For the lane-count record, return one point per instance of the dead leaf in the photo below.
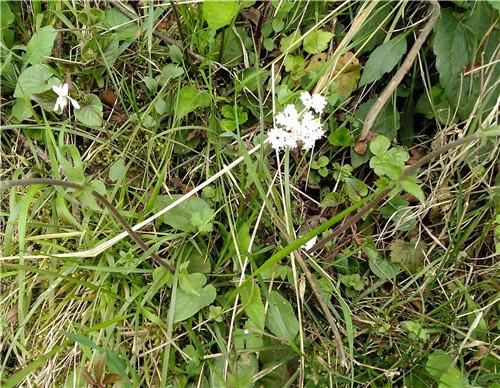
(346, 74)
(417, 153)
(12, 315)
(109, 98)
(251, 14)
(316, 62)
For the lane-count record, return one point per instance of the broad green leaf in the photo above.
(192, 215)
(380, 145)
(438, 363)
(190, 99)
(453, 378)
(317, 41)
(450, 47)
(291, 42)
(281, 319)
(90, 112)
(383, 59)
(123, 28)
(187, 304)
(381, 267)
(33, 80)
(73, 169)
(161, 106)
(117, 170)
(6, 15)
(168, 73)
(40, 45)
(410, 255)
(220, 13)
(411, 186)
(252, 304)
(340, 137)
(21, 111)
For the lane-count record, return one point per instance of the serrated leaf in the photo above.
(40, 45)
(379, 145)
(90, 112)
(33, 80)
(220, 13)
(383, 59)
(410, 255)
(317, 41)
(192, 215)
(281, 319)
(340, 137)
(450, 47)
(291, 42)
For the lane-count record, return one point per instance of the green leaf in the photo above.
(453, 378)
(450, 47)
(291, 42)
(186, 305)
(72, 170)
(438, 363)
(383, 59)
(40, 45)
(281, 319)
(117, 170)
(380, 145)
(295, 65)
(340, 137)
(380, 267)
(192, 215)
(6, 15)
(317, 41)
(175, 53)
(122, 27)
(387, 122)
(90, 112)
(161, 106)
(411, 186)
(33, 80)
(252, 304)
(168, 73)
(190, 99)
(220, 13)
(21, 111)
(410, 255)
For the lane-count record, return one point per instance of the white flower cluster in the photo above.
(294, 128)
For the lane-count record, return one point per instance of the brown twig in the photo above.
(179, 25)
(362, 142)
(72, 185)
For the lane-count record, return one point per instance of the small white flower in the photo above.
(293, 128)
(308, 245)
(63, 97)
(246, 332)
(315, 102)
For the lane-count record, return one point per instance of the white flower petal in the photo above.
(308, 245)
(65, 89)
(75, 103)
(57, 89)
